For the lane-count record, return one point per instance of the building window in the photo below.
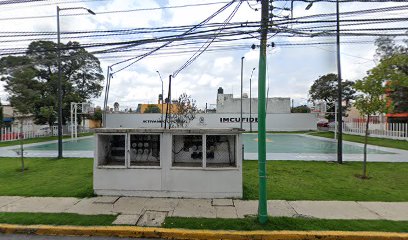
(144, 150)
(187, 151)
(221, 151)
(112, 150)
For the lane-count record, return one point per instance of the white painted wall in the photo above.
(274, 122)
(166, 180)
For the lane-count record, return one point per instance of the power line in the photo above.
(207, 44)
(357, 12)
(343, 1)
(138, 58)
(127, 32)
(19, 1)
(116, 11)
(123, 45)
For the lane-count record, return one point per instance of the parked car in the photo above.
(322, 124)
(44, 131)
(325, 124)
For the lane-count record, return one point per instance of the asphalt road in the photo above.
(35, 237)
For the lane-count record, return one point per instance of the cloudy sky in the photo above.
(292, 68)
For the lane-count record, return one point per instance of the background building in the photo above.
(227, 114)
(226, 103)
(141, 108)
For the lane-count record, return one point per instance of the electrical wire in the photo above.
(113, 12)
(138, 58)
(344, 1)
(19, 1)
(207, 44)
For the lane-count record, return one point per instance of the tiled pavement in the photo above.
(153, 211)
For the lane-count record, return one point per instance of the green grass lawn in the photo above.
(287, 132)
(296, 180)
(56, 219)
(249, 223)
(39, 139)
(68, 177)
(384, 142)
(287, 180)
(285, 223)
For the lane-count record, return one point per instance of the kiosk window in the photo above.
(112, 150)
(220, 151)
(144, 150)
(187, 151)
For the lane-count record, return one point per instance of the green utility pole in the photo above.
(262, 206)
(339, 92)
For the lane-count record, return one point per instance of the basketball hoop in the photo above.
(78, 109)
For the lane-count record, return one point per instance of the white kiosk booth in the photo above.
(194, 163)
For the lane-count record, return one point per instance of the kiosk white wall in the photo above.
(274, 122)
(195, 163)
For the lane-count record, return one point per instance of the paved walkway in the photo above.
(153, 211)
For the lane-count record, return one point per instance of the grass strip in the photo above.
(39, 139)
(287, 180)
(302, 180)
(283, 132)
(286, 223)
(46, 177)
(383, 142)
(56, 219)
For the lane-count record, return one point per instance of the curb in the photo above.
(147, 232)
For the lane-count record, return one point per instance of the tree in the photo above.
(24, 90)
(32, 80)
(186, 110)
(97, 115)
(386, 47)
(1, 119)
(325, 89)
(393, 68)
(371, 101)
(301, 109)
(49, 114)
(152, 108)
(23, 85)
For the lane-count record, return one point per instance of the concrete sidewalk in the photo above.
(153, 211)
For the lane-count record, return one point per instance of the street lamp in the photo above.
(168, 106)
(161, 122)
(291, 7)
(309, 6)
(339, 114)
(59, 76)
(339, 91)
(250, 101)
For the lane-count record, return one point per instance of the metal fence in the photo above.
(14, 133)
(397, 131)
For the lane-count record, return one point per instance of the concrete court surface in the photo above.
(152, 211)
(393, 154)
